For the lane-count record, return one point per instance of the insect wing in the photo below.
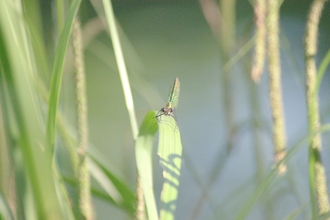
(173, 97)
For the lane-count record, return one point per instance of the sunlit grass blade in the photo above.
(170, 153)
(143, 153)
(109, 13)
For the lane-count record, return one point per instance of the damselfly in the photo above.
(173, 99)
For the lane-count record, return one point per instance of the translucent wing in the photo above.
(173, 97)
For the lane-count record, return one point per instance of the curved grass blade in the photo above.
(170, 155)
(116, 190)
(321, 70)
(143, 154)
(57, 72)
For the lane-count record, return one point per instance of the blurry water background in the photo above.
(167, 39)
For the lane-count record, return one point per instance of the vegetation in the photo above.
(53, 163)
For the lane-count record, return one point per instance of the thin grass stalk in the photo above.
(227, 42)
(275, 93)
(318, 187)
(260, 42)
(223, 24)
(140, 211)
(257, 126)
(221, 19)
(228, 24)
(121, 65)
(258, 142)
(85, 200)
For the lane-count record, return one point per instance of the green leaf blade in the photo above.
(57, 72)
(143, 153)
(170, 155)
(116, 191)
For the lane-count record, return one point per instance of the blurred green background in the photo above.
(222, 166)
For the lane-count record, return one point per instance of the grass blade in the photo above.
(109, 13)
(58, 72)
(143, 153)
(55, 85)
(116, 189)
(18, 74)
(170, 153)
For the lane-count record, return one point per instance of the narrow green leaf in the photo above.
(97, 193)
(170, 153)
(110, 16)
(57, 72)
(56, 77)
(143, 153)
(321, 70)
(116, 189)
